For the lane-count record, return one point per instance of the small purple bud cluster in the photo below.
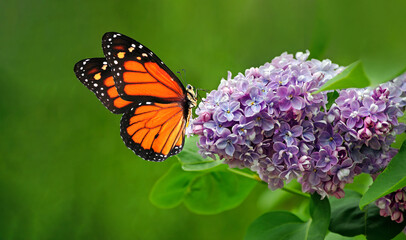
(270, 121)
(393, 205)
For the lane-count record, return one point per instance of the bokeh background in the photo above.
(64, 170)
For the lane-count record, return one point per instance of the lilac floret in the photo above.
(325, 159)
(373, 108)
(229, 111)
(226, 142)
(254, 102)
(290, 98)
(288, 134)
(329, 138)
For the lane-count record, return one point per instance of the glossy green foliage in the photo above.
(352, 76)
(348, 220)
(285, 225)
(390, 180)
(205, 192)
(331, 97)
(191, 160)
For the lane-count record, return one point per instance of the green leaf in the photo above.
(191, 160)
(400, 236)
(335, 236)
(331, 97)
(170, 190)
(285, 225)
(361, 183)
(348, 220)
(320, 214)
(400, 138)
(276, 225)
(203, 192)
(402, 119)
(352, 77)
(379, 69)
(390, 180)
(217, 191)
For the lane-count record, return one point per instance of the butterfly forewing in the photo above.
(96, 75)
(138, 73)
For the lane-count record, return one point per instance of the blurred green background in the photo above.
(64, 170)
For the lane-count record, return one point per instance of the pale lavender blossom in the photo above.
(329, 138)
(351, 113)
(288, 134)
(373, 108)
(254, 102)
(226, 142)
(290, 98)
(325, 159)
(229, 111)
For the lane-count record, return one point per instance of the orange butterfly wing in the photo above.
(96, 75)
(154, 131)
(154, 127)
(138, 73)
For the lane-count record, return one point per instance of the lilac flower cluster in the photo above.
(270, 121)
(393, 205)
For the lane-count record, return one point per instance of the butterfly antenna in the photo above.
(200, 89)
(181, 77)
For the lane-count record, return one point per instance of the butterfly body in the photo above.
(131, 80)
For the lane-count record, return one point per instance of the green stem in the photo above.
(294, 191)
(256, 178)
(248, 175)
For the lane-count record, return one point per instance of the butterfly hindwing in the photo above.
(138, 73)
(96, 75)
(154, 131)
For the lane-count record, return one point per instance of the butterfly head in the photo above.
(191, 96)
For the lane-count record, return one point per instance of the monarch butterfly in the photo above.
(131, 80)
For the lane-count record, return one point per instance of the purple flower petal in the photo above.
(285, 105)
(297, 131)
(298, 103)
